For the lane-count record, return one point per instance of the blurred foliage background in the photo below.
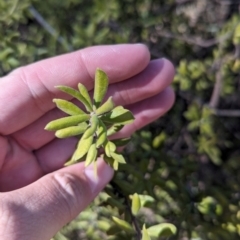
(186, 165)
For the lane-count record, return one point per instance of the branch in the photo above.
(182, 1)
(237, 51)
(214, 101)
(194, 40)
(226, 112)
(227, 2)
(39, 18)
(128, 207)
(134, 220)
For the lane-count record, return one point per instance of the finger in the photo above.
(48, 204)
(148, 111)
(156, 77)
(55, 154)
(18, 167)
(26, 94)
(28, 168)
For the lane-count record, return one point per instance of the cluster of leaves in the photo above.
(95, 126)
(185, 166)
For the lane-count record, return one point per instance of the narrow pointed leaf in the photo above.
(68, 107)
(108, 160)
(103, 225)
(83, 147)
(100, 87)
(118, 157)
(66, 122)
(76, 94)
(126, 186)
(115, 203)
(136, 204)
(113, 129)
(117, 111)
(110, 191)
(83, 90)
(162, 230)
(71, 131)
(111, 161)
(146, 199)
(95, 169)
(69, 162)
(113, 230)
(105, 107)
(145, 235)
(101, 134)
(112, 146)
(121, 142)
(91, 155)
(115, 165)
(93, 127)
(109, 148)
(118, 115)
(123, 225)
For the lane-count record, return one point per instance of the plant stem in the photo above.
(128, 207)
(39, 18)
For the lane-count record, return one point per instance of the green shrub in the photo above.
(185, 166)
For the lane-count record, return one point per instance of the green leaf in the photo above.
(115, 203)
(76, 94)
(214, 154)
(109, 148)
(100, 88)
(123, 225)
(125, 186)
(111, 161)
(121, 142)
(159, 140)
(118, 157)
(82, 147)
(103, 225)
(145, 199)
(101, 134)
(236, 36)
(91, 155)
(83, 90)
(145, 235)
(68, 107)
(66, 122)
(162, 230)
(115, 165)
(118, 115)
(113, 129)
(136, 204)
(93, 127)
(113, 230)
(105, 107)
(71, 161)
(71, 131)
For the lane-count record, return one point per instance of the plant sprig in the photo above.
(94, 126)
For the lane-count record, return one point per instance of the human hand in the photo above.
(38, 196)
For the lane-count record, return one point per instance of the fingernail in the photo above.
(93, 179)
(99, 180)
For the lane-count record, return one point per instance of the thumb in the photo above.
(40, 209)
